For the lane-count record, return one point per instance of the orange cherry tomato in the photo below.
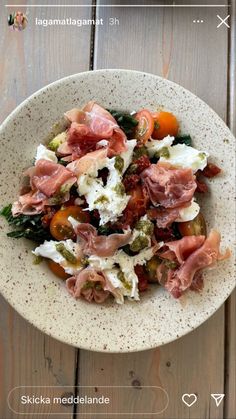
(145, 127)
(57, 270)
(195, 227)
(165, 123)
(61, 228)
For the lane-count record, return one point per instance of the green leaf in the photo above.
(28, 226)
(183, 139)
(125, 121)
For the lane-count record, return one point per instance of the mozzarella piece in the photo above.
(48, 250)
(102, 143)
(127, 264)
(127, 155)
(188, 213)
(44, 153)
(181, 155)
(154, 146)
(121, 290)
(106, 199)
(73, 222)
(137, 233)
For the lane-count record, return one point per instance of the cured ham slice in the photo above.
(29, 204)
(164, 217)
(184, 247)
(85, 163)
(178, 280)
(88, 127)
(91, 285)
(117, 143)
(167, 186)
(102, 246)
(48, 177)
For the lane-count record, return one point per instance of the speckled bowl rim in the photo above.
(13, 301)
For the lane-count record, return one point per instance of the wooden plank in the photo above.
(32, 59)
(167, 43)
(230, 320)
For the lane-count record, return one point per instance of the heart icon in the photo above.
(189, 399)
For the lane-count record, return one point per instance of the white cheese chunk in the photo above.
(44, 153)
(188, 213)
(126, 264)
(181, 155)
(121, 290)
(73, 222)
(127, 155)
(48, 250)
(154, 146)
(102, 143)
(107, 199)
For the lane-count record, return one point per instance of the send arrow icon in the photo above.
(218, 398)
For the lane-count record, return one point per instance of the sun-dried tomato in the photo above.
(130, 181)
(201, 187)
(46, 218)
(211, 170)
(164, 234)
(142, 163)
(142, 277)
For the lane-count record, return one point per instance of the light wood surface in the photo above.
(33, 59)
(163, 42)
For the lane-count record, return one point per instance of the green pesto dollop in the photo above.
(37, 259)
(202, 156)
(119, 189)
(139, 243)
(119, 164)
(57, 141)
(132, 169)
(121, 277)
(145, 226)
(164, 152)
(101, 200)
(139, 152)
(61, 248)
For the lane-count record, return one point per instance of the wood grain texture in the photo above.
(32, 59)
(167, 43)
(230, 373)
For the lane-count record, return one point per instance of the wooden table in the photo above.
(163, 41)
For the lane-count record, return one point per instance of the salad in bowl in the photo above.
(112, 203)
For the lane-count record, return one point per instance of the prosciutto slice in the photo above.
(184, 247)
(168, 186)
(88, 127)
(91, 285)
(87, 162)
(164, 217)
(30, 203)
(178, 280)
(102, 246)
(48, 177)
(45, 179)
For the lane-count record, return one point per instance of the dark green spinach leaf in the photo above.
(183, 139)
(126, 121)
(28, 226)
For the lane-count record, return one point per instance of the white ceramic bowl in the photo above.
(42, 298)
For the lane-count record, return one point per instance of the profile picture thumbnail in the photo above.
(17, 21)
